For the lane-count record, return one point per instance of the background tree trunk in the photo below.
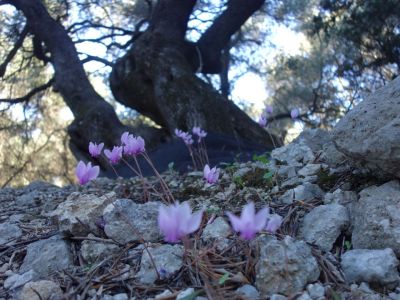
(94, 118)
(156, 77)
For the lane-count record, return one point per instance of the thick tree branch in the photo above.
(29, 95)
(171, 17)
(14, 50)
(215, 39)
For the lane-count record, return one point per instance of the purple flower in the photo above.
(294, 113)
(185, 136)
(181, 134)
(94, 149)
(211, 175)
(115, 155)
(249, 222)
(263, 121)
(133, 145)
(273, 223)
(86, 173)
(176, 221)
(269, 109)
(199, 132)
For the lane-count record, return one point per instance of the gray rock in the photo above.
(29, 199)
(323, 225)
(310, 169)
(284, 267)
(376, 218)
(164, 294)
(18, 280)
(287, 171)
(370, 132)
(166, 258)
(47, 256)
(307, 192)
(394, 296)
(340, 197)
(287, 197)
(294, 154)
(185, 294)
(316, 290)
(304, 296)
(332, 156)
(291, 182)
(249, 292)
(92, 251)
(314, 138)
(121, 296)
(9, 232)
(127, 221)
(218, 229)
(277, 297)
(86, 208)
(372, 266)
(45, 288)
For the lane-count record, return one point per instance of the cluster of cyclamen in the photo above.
(198, 153)
(263, 121)
(176, 221)
(130, 146)
(188, 138)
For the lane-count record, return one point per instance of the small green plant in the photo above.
(239, 181)
(261, 158)
(347, 245)
(223, 278)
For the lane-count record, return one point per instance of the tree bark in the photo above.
(156, 77)
(94, 118)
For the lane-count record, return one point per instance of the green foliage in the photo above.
(347, 245)
(223, 278)
(264, 158)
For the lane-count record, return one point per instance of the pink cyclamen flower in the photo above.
(249, 222)
(294, 113)
(133, 145)
(86, 173)
(199, 132)
(115, 155)
(263, 121)
(273, 223)
(94, 149)
(185, 136)
(211, 175)
(176, 221)
(269, 109)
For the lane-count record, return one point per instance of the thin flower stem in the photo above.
(203, 143)
(145, 191)
(139, 175)
(111, 165)
(164, 186)
(191, 155)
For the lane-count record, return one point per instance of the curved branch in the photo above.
(90, 58)
(32, 93)
(14, 50)
(215, 39)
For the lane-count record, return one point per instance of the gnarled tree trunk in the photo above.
(157, 75)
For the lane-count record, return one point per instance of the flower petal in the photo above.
(235, 221)
(261, 218)
(194, 222)
(248, 213)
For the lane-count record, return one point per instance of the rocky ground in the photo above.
(340, 237)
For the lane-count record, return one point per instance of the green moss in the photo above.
(258, 178)
(325, 180)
